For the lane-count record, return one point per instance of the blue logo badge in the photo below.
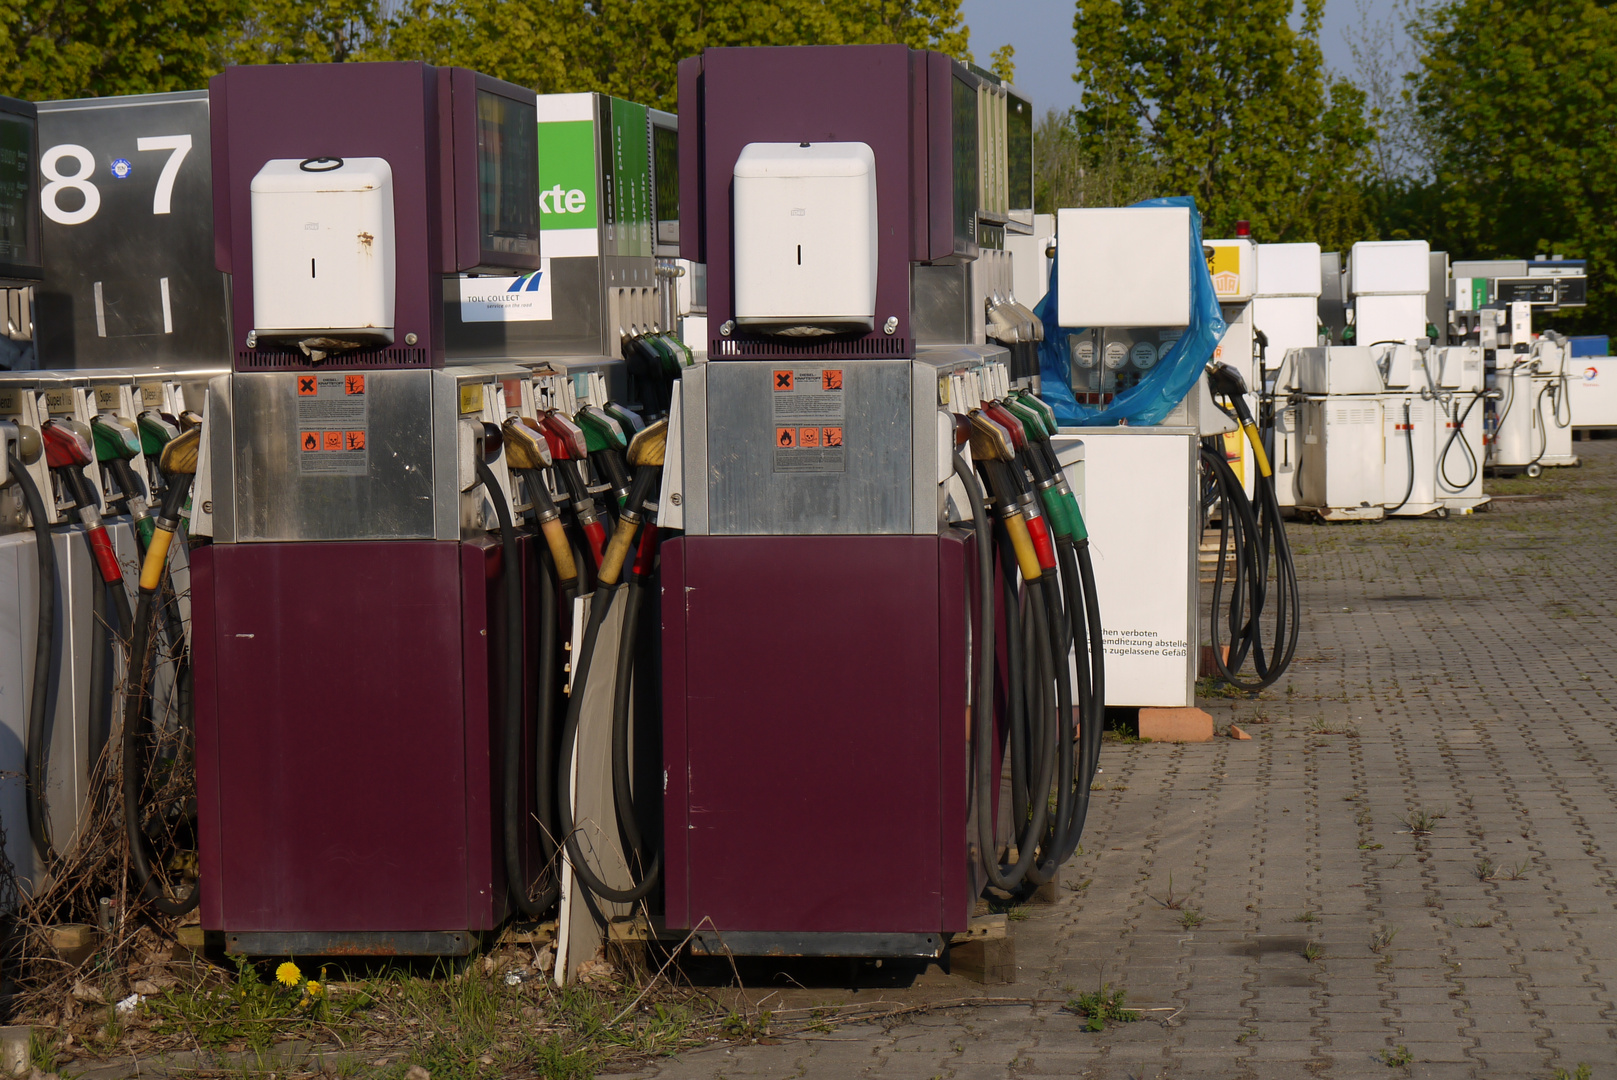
(121, 169)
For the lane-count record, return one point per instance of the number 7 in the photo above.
(179, 146)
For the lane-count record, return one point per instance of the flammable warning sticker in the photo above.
(808, 414)
(333, 419)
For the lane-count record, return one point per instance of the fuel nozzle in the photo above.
(117, 443)
(528, 453)
(646, 454)
(69, 447)
(606, 441)
(626, 417)
(178, 462)
(1224, 380)
(568, 446)
(18, 442)
(991, 444)
(156, 429)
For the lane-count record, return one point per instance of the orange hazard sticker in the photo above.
(311, 441)
(353, 384)
(832, 436)
(831, 379)
(785, 437)
(783, 380)
(307, 385)
(808, 437)
(354, 440)
(333, 440)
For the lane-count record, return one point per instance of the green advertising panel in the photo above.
(567, 198)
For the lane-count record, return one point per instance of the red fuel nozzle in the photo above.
(566, 438)
(1003, 416)
(68, 443)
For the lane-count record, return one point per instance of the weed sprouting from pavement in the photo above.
(1305, 916)
(1190, 918)
(1486, 869)
(1382, 939)
(1103, 1006)
(1397, 1058)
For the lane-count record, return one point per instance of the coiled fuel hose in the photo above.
(1457, 435)
(39, 829)
(1039, 737)
(1257, 539)
(1409, 444)
(178, 462)
(527, 454)
(646, 455)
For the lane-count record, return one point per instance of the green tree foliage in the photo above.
(1230, 104)
(632, 48)
(1519, 102)
(1069, 170)
(85, 48)
(309, 32)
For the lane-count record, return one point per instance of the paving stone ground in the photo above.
(1457, 675)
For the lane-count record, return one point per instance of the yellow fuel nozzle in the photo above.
(179, 463)
(524, 447)
(646, 454)
(649, 445)
(180, 454)
(989, 439)
(991, 442)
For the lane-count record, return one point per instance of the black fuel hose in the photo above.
(1458, 433)
(99, 729)
(606, 590)
(982, 708)
(83, 500)
(98, 723)
(1409, 442)
(511, 795)
(1094, 723)
(37, 768)
(610, 464)
(545, 715)
(1257, 539)
(134, 729)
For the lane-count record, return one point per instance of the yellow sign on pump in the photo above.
(1225, 266)
(471, 398)
(1235, 453)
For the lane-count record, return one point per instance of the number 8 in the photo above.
(79, 181)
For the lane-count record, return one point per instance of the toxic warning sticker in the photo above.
(808, 414)
(333, 423)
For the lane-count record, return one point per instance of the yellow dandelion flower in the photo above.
(288, 974)
(314, 989)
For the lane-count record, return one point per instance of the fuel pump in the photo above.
(366, 469)
(820, 641)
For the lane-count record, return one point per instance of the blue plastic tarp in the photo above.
(1591, 345)
(1175, 373)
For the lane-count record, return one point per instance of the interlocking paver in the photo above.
(1468, 669)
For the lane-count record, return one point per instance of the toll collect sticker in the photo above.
(808, 415)
(507, 299)
(333, 423)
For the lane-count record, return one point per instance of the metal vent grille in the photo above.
(368, 359)
(859, 349)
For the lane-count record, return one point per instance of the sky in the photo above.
(1041, 30)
